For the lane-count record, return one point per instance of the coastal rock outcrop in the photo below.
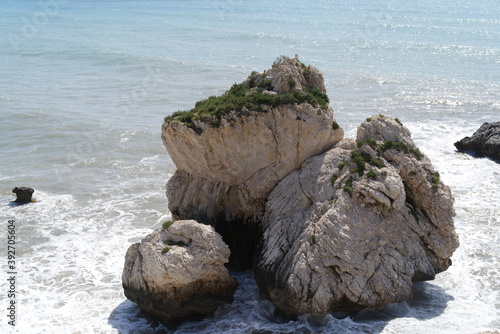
(327, 223)
(23, 194)
(228, 162)
(178, 272)
(355, 226)
(485, 141)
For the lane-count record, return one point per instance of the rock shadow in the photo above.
(429, 301)
(477, 155)
(14, 204)
(251, 314)
(127, 317)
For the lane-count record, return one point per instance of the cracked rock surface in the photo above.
(337, 238)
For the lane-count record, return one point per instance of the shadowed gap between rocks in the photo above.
(242, 235)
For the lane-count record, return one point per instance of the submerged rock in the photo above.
(485, 141)
(23, 194)
(179, 272)
(355, 226)
(228, 164)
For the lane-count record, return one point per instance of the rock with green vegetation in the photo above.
(186, 279)
(231, 151)
(388, 227)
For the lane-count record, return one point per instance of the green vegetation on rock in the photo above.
(367, 141)
(247, 96)
(400, 146)
(377, 162)
(360, 158)
(348, 182)
(174, 243)
(333, 179)
(435, 180)
(167, 224)
(372, 175)
(304, 68)
(348, 190)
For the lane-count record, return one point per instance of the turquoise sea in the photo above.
(84, 88)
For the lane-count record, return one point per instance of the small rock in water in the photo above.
(23, 194)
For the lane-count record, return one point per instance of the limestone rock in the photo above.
(382, 128)
(23, 194)
(185, 279)
(225, 173)
(285, 69)
(350, 230)
(485, 141)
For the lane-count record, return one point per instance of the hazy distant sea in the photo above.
(84, 88)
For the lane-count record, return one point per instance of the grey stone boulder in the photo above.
(178, 273)
(484, 142)
(355, 226)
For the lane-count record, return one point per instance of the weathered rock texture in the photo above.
(23, 194)
(485, 141)
(335, 239)
(225, 173)
(188, 280)
(285, 68)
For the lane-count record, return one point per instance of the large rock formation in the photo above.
(355, 226)
(227, 165)
(178, 272)
(340, 224)
(485, 141)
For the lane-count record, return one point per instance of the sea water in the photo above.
(84, 88)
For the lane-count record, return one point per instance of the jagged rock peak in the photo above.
(287, 75)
